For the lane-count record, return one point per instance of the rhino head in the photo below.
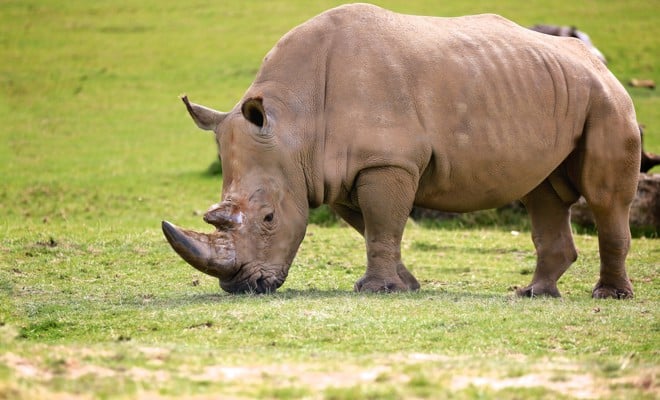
(262, 217)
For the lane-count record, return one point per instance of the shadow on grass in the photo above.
(423, 294)
(440, 295)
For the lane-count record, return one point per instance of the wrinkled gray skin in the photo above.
(372, 112)
(649, 160)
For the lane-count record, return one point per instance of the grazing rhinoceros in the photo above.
(372, 112)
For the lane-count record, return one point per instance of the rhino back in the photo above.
(473, 104)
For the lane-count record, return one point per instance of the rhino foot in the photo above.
(408, 279)
(538, 290)
(602, 291)
(404, 282)
(379, 285)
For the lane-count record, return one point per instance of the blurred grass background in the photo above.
(88, 90)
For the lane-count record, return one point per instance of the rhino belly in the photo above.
(484, 173)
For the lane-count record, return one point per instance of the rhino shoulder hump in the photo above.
(491, 19)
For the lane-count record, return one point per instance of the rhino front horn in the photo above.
(213, 253)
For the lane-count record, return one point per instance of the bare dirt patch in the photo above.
(578, 386)
(561, 376)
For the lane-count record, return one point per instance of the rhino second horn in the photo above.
(211, 253)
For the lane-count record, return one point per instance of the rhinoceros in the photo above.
(372, 112)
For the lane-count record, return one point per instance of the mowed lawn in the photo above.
(96, 149)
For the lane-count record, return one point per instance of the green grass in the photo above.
(97, 150)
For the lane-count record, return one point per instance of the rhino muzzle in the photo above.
(215, 254)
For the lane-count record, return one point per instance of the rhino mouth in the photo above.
(215, 254)
(255, 279)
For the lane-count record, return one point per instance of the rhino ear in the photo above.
(253, 110)
(205, 118)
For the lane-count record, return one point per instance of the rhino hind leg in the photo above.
(384, 197)
(608, 180)
(613, 244)
(552, 237)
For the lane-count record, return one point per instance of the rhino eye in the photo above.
(269, 217)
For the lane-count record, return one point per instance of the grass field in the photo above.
(97, 149)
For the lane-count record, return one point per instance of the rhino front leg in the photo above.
(354, 218)
(552, 237)
(385, 197)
